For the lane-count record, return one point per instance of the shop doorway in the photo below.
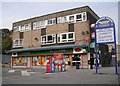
(84, 61)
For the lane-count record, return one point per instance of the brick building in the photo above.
(66, 32)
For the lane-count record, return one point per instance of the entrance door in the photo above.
(29, 62)
(84, 61)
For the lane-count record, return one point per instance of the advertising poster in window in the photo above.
(19, 61)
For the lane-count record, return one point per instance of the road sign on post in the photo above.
(105, 34)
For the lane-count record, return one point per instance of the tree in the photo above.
(6, 40)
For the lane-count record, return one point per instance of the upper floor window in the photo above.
(42, 24)
(71, 18)
(84, 17)
(16, 28)
(18, 43)
(51, 21)
(61, 19)
(48, 39)
(66, 37)
(36, 25)
(27, 27)
(79, 17)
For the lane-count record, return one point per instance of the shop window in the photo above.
(19, 61)
(36, 61)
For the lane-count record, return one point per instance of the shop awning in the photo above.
(47, 48)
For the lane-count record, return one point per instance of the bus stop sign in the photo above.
(105, 34)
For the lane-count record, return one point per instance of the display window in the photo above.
(19, 61)
(43, 60)
(36, 61)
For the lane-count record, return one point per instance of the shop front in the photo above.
(38, 58)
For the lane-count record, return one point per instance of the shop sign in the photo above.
(14, 54)
(78, 50)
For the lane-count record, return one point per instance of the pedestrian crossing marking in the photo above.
(25, 73)
(11, 71)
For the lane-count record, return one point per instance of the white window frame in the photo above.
(81, 19)
(28, 27)
(45, 42)
(36, 25)
(61, 19)
(71, 21)
(22, 28)
(85, 16)
(53, 19)
(17, 44)
(16, 28)
(67, 39)
(43, 24)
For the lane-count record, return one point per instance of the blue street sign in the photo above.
(105, 34)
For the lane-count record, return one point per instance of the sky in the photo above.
(13, 11)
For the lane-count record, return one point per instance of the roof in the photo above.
(46, 48)
(46, 16)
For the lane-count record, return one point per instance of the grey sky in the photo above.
(16, 11)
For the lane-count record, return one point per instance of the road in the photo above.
(105, 75)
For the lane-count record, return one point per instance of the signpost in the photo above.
(105, 34)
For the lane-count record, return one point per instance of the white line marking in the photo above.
(25, 73)
(11, 71)
(31, 72)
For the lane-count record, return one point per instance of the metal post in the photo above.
(96, 59)
(116, 63)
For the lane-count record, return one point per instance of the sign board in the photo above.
(104, 30)
(105, 34)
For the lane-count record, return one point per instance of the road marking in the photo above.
(25, 73)
(11, 71)
(31, 72)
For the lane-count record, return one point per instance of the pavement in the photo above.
(105, 75)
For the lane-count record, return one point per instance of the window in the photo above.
(79, 17)
(36, 25)
(70, 35)
(42, 24)
(43, 31)
(16, 28)
(21, 35)
(48, 39)
(71, 18)
(51, 21)
(66, 37)
(84, 16)
(27, 27)
(22, 28)
(71, 27)
(17, 43)
(61, 19)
